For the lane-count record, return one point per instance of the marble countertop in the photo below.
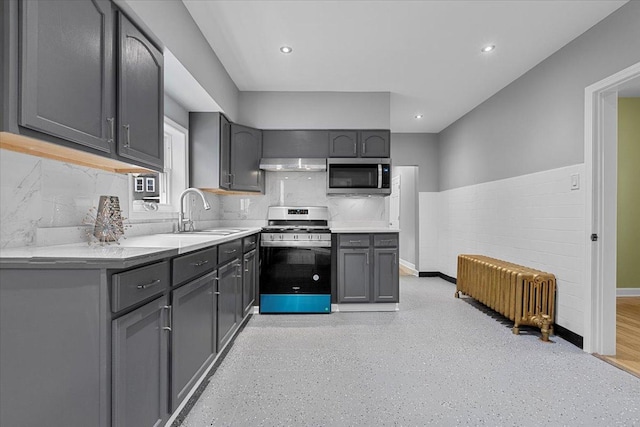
(125, 253)
(372, 229)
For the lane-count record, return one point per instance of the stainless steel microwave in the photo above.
(370, 176)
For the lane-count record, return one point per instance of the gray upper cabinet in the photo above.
(246, 150)
(343, 144)
(375, 144)
(140, 368)
(295, 143)
(140, 96)
(67, 72)
(361, 143)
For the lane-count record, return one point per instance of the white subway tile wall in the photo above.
(535, 220)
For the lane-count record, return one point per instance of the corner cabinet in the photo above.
(140, 95)
(368, 270)
(224, 155)
(361, 143)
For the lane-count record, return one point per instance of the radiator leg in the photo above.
(545, 328)
(516, 329)
(457, 294)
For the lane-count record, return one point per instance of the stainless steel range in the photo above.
(295, 256)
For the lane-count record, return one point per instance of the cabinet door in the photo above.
(249, 279)
(139, 363)
(375, 144)
(295, 143)
(353, 275)
(343, 144)
(246, 150)
(386, 275)
(225, 153)
(140, 97)
(228, 278)
(67, 71)
(193, 334)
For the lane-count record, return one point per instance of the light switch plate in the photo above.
(575, 181)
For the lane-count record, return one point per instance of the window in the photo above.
(157, 195)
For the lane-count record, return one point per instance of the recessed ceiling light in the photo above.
(418, 116)
(488, 48)
(286, 49)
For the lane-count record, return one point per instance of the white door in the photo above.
(394, 203)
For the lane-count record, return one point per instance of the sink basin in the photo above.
(164, 240)
(217, 231)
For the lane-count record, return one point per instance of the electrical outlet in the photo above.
(575, 181)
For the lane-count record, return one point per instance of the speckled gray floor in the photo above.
(439, 361)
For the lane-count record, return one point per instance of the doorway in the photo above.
(601, 174)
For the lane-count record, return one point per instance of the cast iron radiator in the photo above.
(523, 295)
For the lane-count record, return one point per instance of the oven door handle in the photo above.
(296, 244)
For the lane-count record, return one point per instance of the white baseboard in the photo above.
(409, 266)
(385, 306)
(628, 292)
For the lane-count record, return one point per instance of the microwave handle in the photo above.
(379, 175)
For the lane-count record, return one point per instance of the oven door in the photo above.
(295, 279)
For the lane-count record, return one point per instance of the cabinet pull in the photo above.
(200, 263)
(168, 328)
(367, 254)
(395, 258)
(355, 241)
(216, 293)
(148, 285)
(386, 242)
(127, 139)
(230, 252)
(111, 121)
(246, 265)
(355, 147)
(364, 148)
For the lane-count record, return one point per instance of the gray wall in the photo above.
(319, 110)
(537, 122)
(408, 213)
(174, 27)
(176, 112)
(418, 149)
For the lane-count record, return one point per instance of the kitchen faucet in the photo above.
(182, 221)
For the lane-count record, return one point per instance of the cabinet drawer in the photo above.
(194, 264)
(249, 243)
(229, 251)
(385, 240)
(353, 240)
(133, 286)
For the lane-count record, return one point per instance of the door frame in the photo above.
(600, 158)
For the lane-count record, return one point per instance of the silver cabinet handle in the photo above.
(246, 265)
(395, 258)
(168, 328)
(216, 293)
(367, 254)
(364, 147)
(200, 263)
(230, 252)
(355, 147)
(127, 140)
(111, 121)
(386, 242)
(148, 285)
(355, 241)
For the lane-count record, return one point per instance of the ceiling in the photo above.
(425, 53)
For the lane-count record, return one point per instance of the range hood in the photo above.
(294, 165)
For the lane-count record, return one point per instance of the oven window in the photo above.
(353, 176)
(295, 270)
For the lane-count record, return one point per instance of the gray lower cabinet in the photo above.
(368, 270)
(67, 70)
(249, 281)
(140, 96)
(244, 166)
(140, 366)
(228, 280)
(354, 275)
(193, 343)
